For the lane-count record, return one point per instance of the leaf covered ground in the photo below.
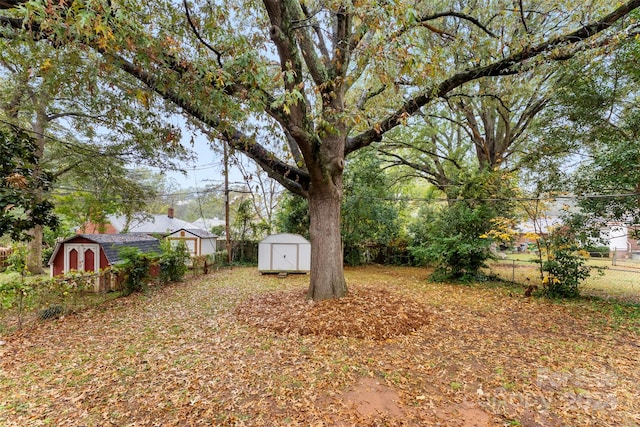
(237, 348)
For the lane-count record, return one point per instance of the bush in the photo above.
(46, 255)
(221, 258)
(598, 251)
(135, 268)
(173, 262)
(451, 241)
(562, 266)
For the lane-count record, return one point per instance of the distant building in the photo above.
(141, 223)
(208, 223)
(622, 239)
(199, 240)
(530, 231)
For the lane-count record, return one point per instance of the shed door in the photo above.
(284, 256)
(81, 257)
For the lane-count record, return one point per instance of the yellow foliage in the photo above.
(143, 97)
(553, 280)
(532, 236)
(46, 65)
(503, 230)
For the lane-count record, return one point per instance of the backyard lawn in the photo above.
(618, 280)
(237, 348)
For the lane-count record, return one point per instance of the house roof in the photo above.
(198, 232)
(161, 224)
(111, 244)
(207, 223)
(542, 225)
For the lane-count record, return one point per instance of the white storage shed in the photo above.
(284, 252)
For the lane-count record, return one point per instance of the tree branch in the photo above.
(197, 34)
(292, 178)
(459, 15)
(499, 68)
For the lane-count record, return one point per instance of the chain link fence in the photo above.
(611, 278)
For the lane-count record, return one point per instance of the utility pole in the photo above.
(227, 228)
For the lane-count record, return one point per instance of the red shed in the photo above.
(96, 252)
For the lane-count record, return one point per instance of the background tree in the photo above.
(370, 211)
(20, 209)
(588, 140)
(109, 188)
(265, 193)
(78, 123)
(487, 122)
(344, 75)
(453, 234)
(293, 215)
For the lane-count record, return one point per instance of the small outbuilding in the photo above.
(96, 252)
(284, 253)
(198, 241)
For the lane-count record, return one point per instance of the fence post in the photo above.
(513, 271)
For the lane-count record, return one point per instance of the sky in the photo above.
(205, 170)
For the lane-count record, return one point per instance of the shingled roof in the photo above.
(198, 232)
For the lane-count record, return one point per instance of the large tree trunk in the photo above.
(327, 272)
(34, 247)
(34, 252)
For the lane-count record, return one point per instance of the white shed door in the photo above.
(284, 257)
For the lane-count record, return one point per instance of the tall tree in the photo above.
(265, 193)
(482, 126)
(20, 208)
(596, 123)
(327, 78)
(369, 210)
(79, 124)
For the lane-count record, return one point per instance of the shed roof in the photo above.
(285, 238)
(198, 232)
(111, 244)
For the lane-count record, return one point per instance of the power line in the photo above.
(504, 199)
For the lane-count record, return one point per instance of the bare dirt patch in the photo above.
(370, 398)
(365, 313)
(464, 414)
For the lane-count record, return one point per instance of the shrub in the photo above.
(451, 241)
(17, 260)
(173, 261)
(221, 258)
(598, 251)
(562, 265)
(135, 269)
